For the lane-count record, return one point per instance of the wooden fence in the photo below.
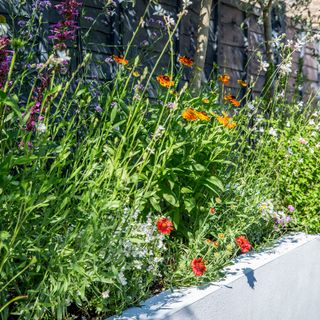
(235, 36)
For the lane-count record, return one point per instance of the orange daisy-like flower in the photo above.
(235, 102)
(202, 116)
(165, 81)
(226, 120)
(188, 62)
(229, 97)
(190, 114)
(120, 60)
(242, 83)
(232, 99)
(224, 78)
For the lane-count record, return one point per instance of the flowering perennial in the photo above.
(224, 78)
(164, 225)
(165, 81)
(191, 114)
(66, 28)
(188, 62)
(243, 244)
(5, 60)
(226, 120)
(198, 267)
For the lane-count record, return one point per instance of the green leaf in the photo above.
(155, 203)
(185, 190)
(199, 167)
(189, 204)
(171, 198)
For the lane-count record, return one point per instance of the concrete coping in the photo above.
(173, 304)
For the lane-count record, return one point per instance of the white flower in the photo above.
(137, 264)
(159, 131)
(122, 279)
(105, 294)
(264, 65)
(4, 29)
(285, 68)
(42, 127)
(273, 132)
(186, 4)
(159, 11)
(312, 122)
(251, 106)
(169, 21)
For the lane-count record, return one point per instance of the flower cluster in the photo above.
(191, 114)
(36, 118)
(65, 29)
(5, 60)
(279, 217)
(41, 5)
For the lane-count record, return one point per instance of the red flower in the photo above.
(164, 225)
(212, 210)
(198, 267)
(243, 244)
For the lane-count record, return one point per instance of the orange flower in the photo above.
(229, 97)
(242, 83)
(165, 81)
(202, 116)
(188, 62)
(212, 210)
(226, 121)
(235, 102)
(120, 60)
(216, 244)
(205, 100)
(224, 78)
(190, 114)
(232, 99)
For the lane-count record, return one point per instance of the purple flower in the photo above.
(291, 208)
(65, 29)
(98, 108)
(171, 105)
(5, 60)
(41, 5)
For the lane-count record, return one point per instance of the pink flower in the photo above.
(291, 208)
(303, 141)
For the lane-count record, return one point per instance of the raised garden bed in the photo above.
(278, 283)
